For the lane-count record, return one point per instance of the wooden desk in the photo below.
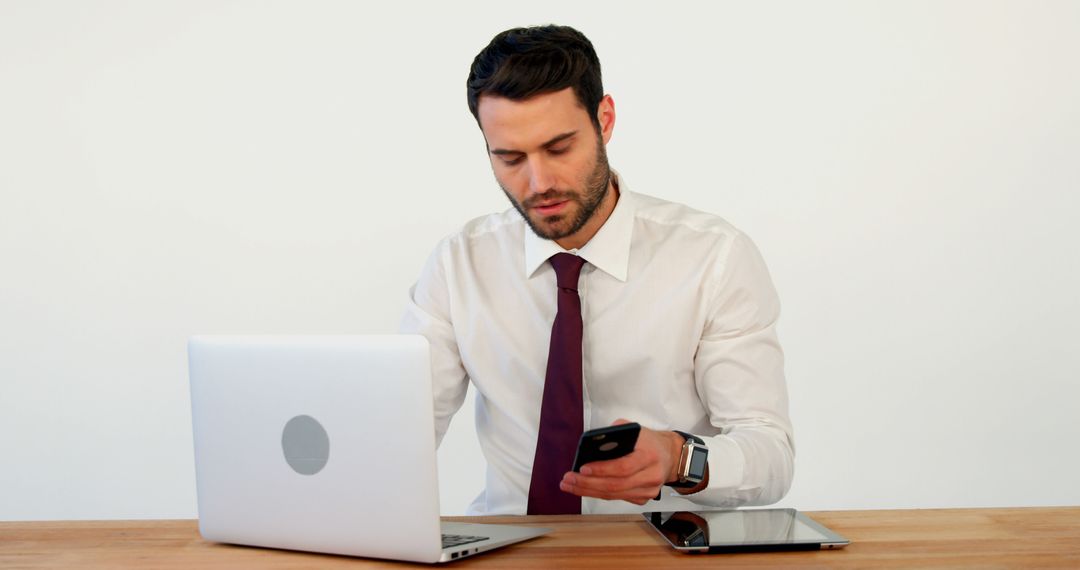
(1032, 537)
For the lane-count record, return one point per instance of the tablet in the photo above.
(742, 531)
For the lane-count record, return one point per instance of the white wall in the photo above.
(909, 169)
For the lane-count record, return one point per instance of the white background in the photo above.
(909, 170)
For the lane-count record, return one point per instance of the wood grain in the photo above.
(948, 538)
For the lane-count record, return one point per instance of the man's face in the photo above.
(550, 161)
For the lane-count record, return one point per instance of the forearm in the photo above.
(747, 466)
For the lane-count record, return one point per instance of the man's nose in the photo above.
(541, 177)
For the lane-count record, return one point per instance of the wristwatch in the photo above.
(692, 462)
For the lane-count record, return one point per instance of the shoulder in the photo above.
(492, 230)
(708, 246)
(491, 226)
(683, 226)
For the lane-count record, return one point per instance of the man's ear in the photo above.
(605, 115)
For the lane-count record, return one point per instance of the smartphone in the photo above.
(602, 444)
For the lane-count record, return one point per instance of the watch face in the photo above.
(698, 459)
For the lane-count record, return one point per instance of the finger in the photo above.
(639, 495)
(624, 466)
(635, 494)
(647, 478)
(608, 485)
(620, 422)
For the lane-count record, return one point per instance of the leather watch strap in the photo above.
(697, 440)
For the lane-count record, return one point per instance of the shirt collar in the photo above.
(608, 250)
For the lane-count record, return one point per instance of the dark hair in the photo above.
(523, 62)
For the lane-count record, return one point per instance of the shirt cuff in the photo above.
(726, 463)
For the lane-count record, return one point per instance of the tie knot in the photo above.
(567, 269)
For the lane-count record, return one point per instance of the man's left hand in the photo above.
(635, 477)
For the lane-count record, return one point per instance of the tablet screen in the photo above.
(741, 529)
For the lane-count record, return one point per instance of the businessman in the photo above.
(588, 304)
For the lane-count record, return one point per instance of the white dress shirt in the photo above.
(679, 319)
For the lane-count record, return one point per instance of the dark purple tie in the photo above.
(562, 412)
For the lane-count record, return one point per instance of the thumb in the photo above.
(620, 422)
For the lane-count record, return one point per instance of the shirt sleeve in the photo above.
(428, 313)
(739, 373)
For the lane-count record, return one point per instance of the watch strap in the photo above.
(690, 437)
(686, 484)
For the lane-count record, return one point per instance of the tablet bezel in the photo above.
(832, 539)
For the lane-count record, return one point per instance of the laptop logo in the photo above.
(305, 444)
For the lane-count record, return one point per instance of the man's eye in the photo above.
(559, 150)
(512, 161)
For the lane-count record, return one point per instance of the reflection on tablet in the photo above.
(734, 530)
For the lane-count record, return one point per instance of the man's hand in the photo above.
(635, 477)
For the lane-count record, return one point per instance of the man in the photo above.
(588, 305)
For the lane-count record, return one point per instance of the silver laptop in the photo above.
(325, 444)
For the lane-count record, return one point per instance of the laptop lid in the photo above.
(321, 443)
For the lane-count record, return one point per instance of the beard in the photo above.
(587, 200)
